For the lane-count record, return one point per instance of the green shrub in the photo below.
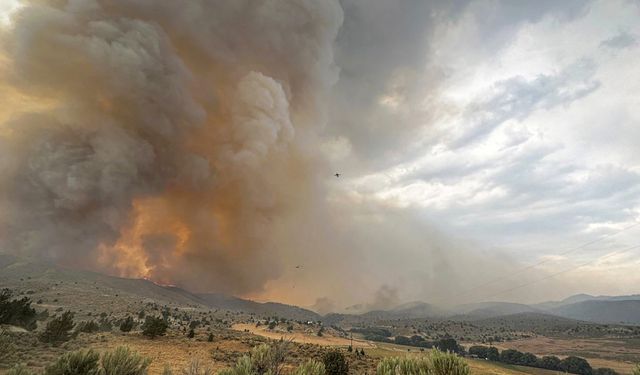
(404, 366)
(549, 362)
(511, 356)
(75, 363)
(87, 327)
(123, 361)
(269, 358)
(448, 344)
(263, 359)
(58, 329)
(105, 325)
(447, 364)
(17, 312)
(493, 354)
(528, 359)
(310, 367)
(479, 351)
(154, 327)
(244, 366)
(127, 324)
(485, 352)
(636, 370)
(576, 365)
(335, 363)
(436, 363)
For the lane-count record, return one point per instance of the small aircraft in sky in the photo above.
(337, 174)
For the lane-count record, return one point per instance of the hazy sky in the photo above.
(6, 7)
(474, 138)
(514, 124)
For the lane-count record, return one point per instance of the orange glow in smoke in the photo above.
(130, 256)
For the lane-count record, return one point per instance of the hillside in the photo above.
(49, 283)
(494, 309)
(582, 307)
(221, 301)
(538, 323)
(57, 286)
(612, 311)
(582, 298)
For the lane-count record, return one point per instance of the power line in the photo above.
(564, 271)
(526, 268)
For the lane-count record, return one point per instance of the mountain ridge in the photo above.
(598, 309)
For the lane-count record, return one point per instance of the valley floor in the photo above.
(228, 345)
(618, 354)
(599, 352)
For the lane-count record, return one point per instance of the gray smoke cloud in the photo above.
(176, 135)
(181, 141)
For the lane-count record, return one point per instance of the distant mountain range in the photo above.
(602, 311)
(586, 297)
(584, 307)
(99, 288)
(411, 310)
(492, 309)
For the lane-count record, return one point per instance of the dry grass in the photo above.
(493, 368)
(174, 349)
(618, 354)
(302, 337)
(177, 351)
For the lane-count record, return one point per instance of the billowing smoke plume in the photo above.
(184, 141)
(165, 139)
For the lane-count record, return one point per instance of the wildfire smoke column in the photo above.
(162, 139)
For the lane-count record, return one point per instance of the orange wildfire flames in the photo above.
(128, 257)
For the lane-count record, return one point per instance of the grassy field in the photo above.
(618, 354)
(376, 351)
(228, 345)
(494, 368)
(177, 351)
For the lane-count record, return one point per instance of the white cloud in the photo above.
(7, 7)
(536, 149)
